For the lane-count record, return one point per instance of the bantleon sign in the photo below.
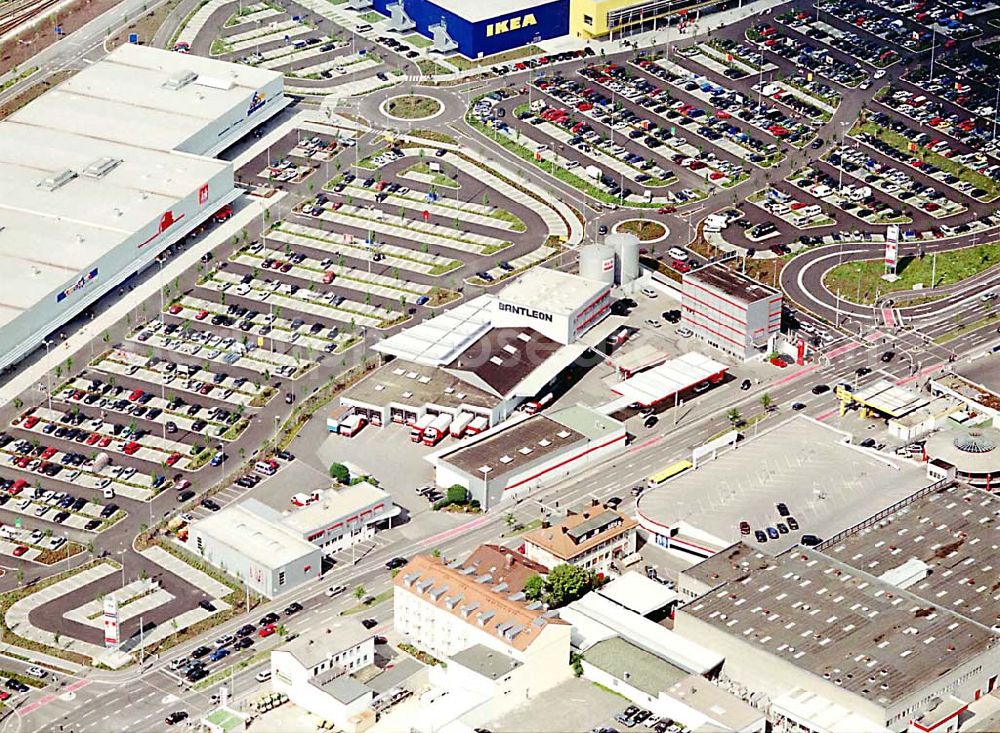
(511, 24)
(520, 310)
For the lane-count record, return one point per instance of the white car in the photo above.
(37, 672)
(335, 590)
(879, 74)
(677, 253)
(649, 292)
(685, 332)
(653, 322)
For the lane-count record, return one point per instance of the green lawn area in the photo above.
(963, 172)
(412, 107)
(859, 281)
(372, 17)
(430, 68)
(418, 41)
(439, 179)
(486, 62)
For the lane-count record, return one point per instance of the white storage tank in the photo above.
(626, 248)
(597, 262)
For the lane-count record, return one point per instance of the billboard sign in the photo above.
(258, 100)
(80, 284)
(891, 253)
(112, 632)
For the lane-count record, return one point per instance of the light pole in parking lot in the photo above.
(48, 375)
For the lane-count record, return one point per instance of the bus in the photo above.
(669, 472)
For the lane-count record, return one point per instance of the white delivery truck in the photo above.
(715, 223)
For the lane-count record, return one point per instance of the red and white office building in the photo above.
(731, 311)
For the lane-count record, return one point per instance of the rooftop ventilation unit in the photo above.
(56, 180)
(179, 80)
(101, 167)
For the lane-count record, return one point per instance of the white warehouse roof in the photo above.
(438, 340)
(669, 378)
(129, 97)
(249, 528)
(551, 291)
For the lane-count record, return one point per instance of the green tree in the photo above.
(734, 417)
(340, 473)
(457, 494)
(565, 583)
(766, 401)
(534, 588)
(359, 592)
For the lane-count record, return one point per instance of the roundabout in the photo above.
(646, 230)
(411, 107)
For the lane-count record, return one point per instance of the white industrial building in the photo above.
(525, 453)
(275, 551)
(244, 541)
(106, 170)
(558, 305)
(315, 673)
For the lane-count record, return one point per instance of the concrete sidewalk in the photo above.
(248, 208)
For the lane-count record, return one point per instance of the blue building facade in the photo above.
(488, 36)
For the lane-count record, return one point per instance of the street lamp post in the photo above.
(48, 375)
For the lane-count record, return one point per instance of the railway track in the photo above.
(18, 12)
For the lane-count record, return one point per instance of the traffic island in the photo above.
(411, 107)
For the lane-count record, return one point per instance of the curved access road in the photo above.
(802, 282)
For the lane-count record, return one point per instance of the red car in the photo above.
(267, 630)
(131, 447)
(31, 422)
(201, 315)
(173, 458)
(47, 453)
(680, 266)
(105, 441)
(20, 550)
(328, 277)
(93, 438)
(136, 394)
(18, 487)
(175, 309)
(668, 209)
(744, 527)
(223, 214)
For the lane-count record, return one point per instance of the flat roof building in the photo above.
(558, 304)
(243, 541)
(826, 482)
(527, 452)
(730, 311)
(106, 170)
(805, 620)
(401, 392)
(945, 538)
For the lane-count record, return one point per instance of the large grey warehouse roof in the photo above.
(850, 628)
(949, 539)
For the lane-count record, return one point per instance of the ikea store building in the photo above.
(477, 28)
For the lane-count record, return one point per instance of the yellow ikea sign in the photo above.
(511, 24)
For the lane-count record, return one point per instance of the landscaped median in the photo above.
(903, 144)
(861, 281)
(557, 171)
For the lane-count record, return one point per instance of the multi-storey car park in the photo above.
(108, 169)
